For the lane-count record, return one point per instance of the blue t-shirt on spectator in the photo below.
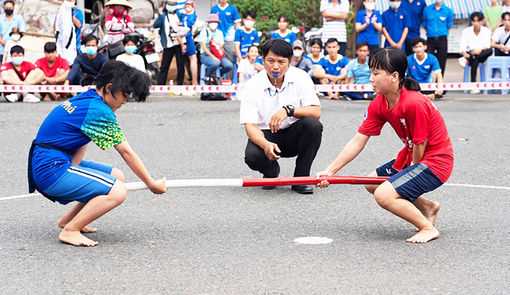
(395, 22)
(228, 16)
(246, 39)
(6, 28)
(333, 68)
(415, 11)
(79, 15)
(421, 71)
(259, 60)
(311, 59)
(370, 34)
(290, 37)
(436, 22)
(360, 73)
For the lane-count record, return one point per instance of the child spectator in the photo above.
(54, 68)
(20, 72)
(299, 61)
(358, 72)
(331, 69)
(90, 62)
(211, 61)
(368, 25)
(415, 10)
(283, 31)
(246, 36)
(130, 58)
(500, 38)
(334, 14)
(16, 36)
(493, 15)
(188, 18)
(9, 20)
(395, 25)
(248, 66)
(421, 65)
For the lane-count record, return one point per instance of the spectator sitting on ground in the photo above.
(20, 72)
(90, 62)
(316, 51)
(331, 69)
(493, 15)
(249, 66)
(395, 25)
(9, 20)
(358, 72)
(283, 31)
(421, 65)
(246, 36)
(475, 45)
(368, 25)
(501, 37)
(130, 58)
(211, 61)
(16, 36)
(54, 68)
(299, 61)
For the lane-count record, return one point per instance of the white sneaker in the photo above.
(475, 91)
(462, 61)
(12, 97)
(30, 98)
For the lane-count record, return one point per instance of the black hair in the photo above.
(124, 78)
(361, 44)
(17, 49)
(317, 41)
(50, 47)
(331, 40)
(251, 13)
(392, 59)
(9, 1)
(253, 45)
(417, 40)
(285, 18)
(505, 14)
(476, 14)
(90, 37)
(128, 38)
(277, 46)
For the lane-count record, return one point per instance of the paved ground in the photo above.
(241, 241)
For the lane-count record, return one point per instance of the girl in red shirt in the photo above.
(425, 162)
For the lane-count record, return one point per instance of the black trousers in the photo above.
(168, 55)
(409, 46)
(301, 139)
(475, 60)
(438, 47)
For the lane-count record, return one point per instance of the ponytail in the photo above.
(410, 84)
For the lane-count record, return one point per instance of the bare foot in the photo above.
(85, 229)
(76, 238)
(430, 212)
(424, 235)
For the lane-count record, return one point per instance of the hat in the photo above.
(213, 18)
(191, 2)
(297, 43)
(16, 30)
(118, 2)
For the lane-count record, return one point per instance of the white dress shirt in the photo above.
(470, 41)
(260, 100)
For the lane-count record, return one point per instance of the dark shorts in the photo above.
(412, 181)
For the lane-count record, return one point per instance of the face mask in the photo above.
(394, 5)
(370, 5)
(9, 11)
(213, 26)
(68, 4)
(249, 24)
(16, 37)
(171, 8)
(298, 52)
(91, 50)
(118, 10)
(130, 49)
(17, 60)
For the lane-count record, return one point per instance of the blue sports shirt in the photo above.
(360, 73)
(290, 37)
(415, 11)
(228, 17)
(395, 22)
(333, 68)
(369, 34)
(421, 72)
(246, 39)
(436, 22)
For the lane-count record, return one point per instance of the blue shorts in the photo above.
(190, 46)
(82, 183)
(412, 181)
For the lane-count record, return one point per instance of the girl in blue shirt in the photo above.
(368, 25)
(283, 31)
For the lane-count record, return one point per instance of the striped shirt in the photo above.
(334, 28)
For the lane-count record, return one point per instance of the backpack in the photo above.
(212, 81)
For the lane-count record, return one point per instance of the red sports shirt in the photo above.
(60, 63)
(416, 120)
(26, 67)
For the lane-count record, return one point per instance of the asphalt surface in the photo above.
(241, 240)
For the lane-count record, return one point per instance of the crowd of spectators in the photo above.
(228, 45)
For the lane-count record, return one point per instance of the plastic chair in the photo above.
(467, 73)
(202, 73)
(501, 64)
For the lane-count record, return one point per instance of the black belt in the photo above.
(32, 187)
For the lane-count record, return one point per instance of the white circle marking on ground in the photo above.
(313, 240)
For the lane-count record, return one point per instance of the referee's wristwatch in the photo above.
(290, 110)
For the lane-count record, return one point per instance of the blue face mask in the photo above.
(130, 49)
(171, 8)
(17, 60)
(90, 50)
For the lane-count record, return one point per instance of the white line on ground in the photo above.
(446, 184)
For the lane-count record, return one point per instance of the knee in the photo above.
(381, 198)
(312, 125)
(117, 173)
(253, 158)
(118, 193)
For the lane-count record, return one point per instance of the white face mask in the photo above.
(370, 5)
(394, 5)
(213, 26)
(298, 52)
(15, 37)
(69, 4)
(249, 24)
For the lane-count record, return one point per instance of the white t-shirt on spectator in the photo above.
(135, 61)
(500, 36)
(260, 101)
(247, 69)
(334, 28)
(470, 41)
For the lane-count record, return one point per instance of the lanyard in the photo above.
(276, 91)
